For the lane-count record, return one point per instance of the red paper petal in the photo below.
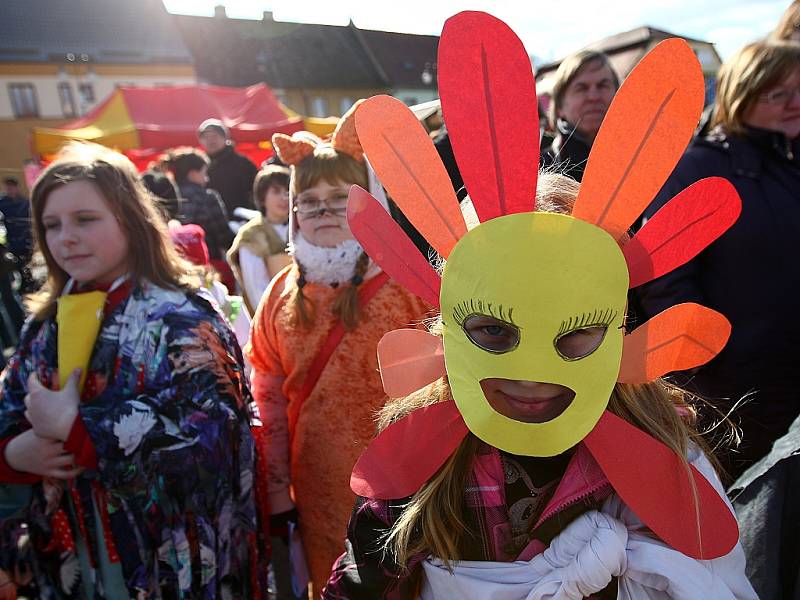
(682, 229)
(409, 359)
(647, 127)
(652, 480)
(489, 104)
(682, 337)
(389, 246)
(409, 452)
(408, 165)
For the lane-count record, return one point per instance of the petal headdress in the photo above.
(489, 103)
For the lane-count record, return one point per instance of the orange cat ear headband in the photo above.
(293, 149)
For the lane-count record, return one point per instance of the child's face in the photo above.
(276, 203)
(83, 235)
(198, 176)
(321, 213)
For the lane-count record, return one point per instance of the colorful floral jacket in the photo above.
(168, 512)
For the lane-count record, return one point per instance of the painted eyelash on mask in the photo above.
(473, 307)
(597, 318)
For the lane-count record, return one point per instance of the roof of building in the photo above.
(293, 55)
(284, 55)
(94, 31)
(404, 58)
(619, 42)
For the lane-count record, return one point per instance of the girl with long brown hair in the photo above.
(312, 347)
(127, 457)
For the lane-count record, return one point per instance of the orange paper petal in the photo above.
(492, 115)
(409, 452)
(653, 481)
(387, 244)
(650, 122)
(409, 360)
(409, 167)
(682, 337)
(683, 227)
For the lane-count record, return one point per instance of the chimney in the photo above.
(219, 11)
(268, 16)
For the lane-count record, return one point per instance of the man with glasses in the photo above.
(585, 84)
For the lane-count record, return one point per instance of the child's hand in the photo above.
(30, 453)
(52, 413)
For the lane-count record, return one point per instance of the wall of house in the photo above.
(46, 78)
(411, 96)
(329, 102)
(16, 144)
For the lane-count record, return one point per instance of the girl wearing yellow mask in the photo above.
(536, 453)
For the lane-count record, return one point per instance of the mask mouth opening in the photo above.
(527, 401)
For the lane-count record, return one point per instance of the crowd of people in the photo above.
(209, 397)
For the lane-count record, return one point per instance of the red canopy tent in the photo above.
(143, 122)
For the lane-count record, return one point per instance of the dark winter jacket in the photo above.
(568, 153)
(17, 215)
(232, 175)
(204, 207)
(767, 503)
(751, 275)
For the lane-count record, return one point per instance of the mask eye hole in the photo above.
(580, 343)
(490, 334)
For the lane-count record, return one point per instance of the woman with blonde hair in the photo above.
(750, 273)
(127, 458)
(535, 453)
(312, 348)
(788, 27)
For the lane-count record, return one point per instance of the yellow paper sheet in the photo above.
(78, 317)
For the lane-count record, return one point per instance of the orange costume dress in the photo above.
(336, 421)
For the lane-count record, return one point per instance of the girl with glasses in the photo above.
(313, 347)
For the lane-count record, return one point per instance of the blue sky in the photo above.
(549, 30)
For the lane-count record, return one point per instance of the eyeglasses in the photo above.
(779, 96)
(311, 205)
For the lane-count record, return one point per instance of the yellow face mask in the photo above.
(545, 276)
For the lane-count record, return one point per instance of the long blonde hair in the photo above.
(152, 255)
(326, 163)
(434, 520)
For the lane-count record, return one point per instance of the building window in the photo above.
(86, 95)
(66, 98)
(319, 106)
(345, 104)
(86, 91)
(23, 100)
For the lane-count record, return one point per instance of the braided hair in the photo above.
(346, 305)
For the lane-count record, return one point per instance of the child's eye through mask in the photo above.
(491, 334)
(578, 337)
